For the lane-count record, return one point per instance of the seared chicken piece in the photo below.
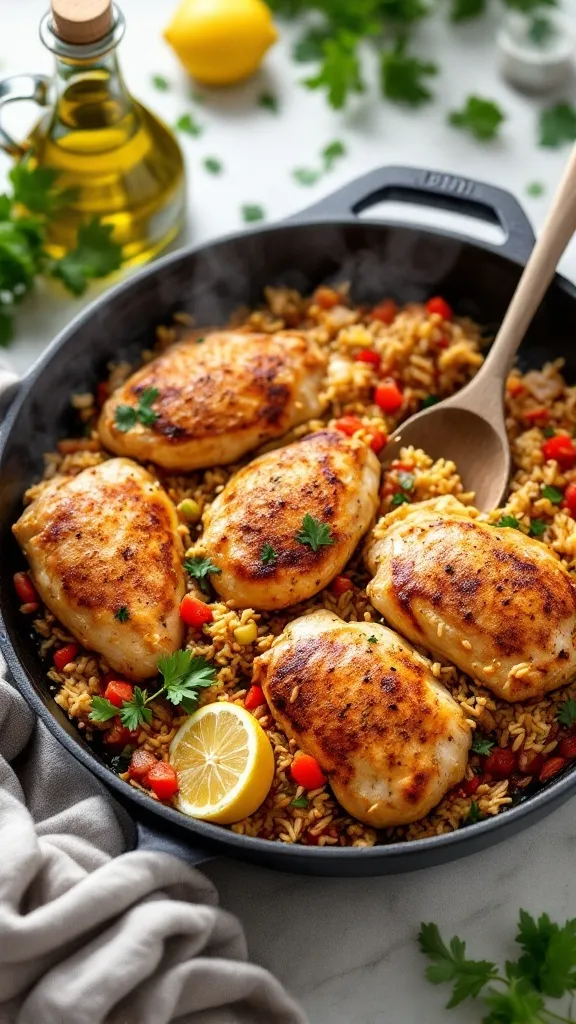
(253, 526)
(103, 541)
(489, 599)
(218, 399)
(388, 735)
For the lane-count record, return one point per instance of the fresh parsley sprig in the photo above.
(314, 533)
(268, 556)
(127, 416)
(183, 676)
(481, 744)
(201, 569)
(481, 117)
(566, 713)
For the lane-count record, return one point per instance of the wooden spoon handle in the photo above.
(558, 229)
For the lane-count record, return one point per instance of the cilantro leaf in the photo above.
(268, 556)
(125, 417)
(399, 499)
(268, 101)
(212, 165)
(463, 10)
(481, 744)
(122, 614)
(134, 712)
(252, 212)
(314, 533)
(102, 710)
(402, 76)
(189, 126)
(482, 118)
(183, 676)
(305, 176)
(450, 964)
(332, 152)
(537, 527)
(200, 569)
(406, 480)
(549, 959)
(553, 495)
(160, 83)
(567, 712)
(557, 125)
(310, 46)
(510, 521)
(340, 72)
(95, 255)
(535, 189)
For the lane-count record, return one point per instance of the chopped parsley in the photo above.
(267, 555)
(537, 527)
(399, 499)
(402, 76)
(557, 125)
(549, 432)
(160, 83)
(406, 480)
(474, 814)
(305, 175)
(127, 416)
(481, 744)
(314, 533)
(553, 495)
(567, 712)
(332, 152)
(430, 400)
(300, 801)
(122, 614)
(535, 189)
(340, 72)
(212, 165)
(252, 212)
(189, 126)
(200, 569)
(510, 521)
(268, 101)
(372, 640)
(481, 117)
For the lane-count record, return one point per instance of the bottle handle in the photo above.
(21, 87)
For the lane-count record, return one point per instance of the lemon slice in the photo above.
(224, 763)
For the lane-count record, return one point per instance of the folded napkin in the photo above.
(90, 934)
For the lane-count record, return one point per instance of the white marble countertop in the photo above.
(345, 947)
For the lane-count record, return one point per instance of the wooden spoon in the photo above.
(469, 427)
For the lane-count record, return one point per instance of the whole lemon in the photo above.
(220, 42)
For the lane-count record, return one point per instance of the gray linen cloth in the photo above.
(91, 934)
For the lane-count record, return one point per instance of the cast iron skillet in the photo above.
(325, 243)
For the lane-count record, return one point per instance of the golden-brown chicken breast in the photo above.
(489, 599)
(106, 558)
(208, 404)
(288, 522)
(388, 735)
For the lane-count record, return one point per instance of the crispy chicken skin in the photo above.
(388, 735)
(489, 599)
(328, 475)
(104, 540)
(219, 399)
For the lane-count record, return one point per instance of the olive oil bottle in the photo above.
(121, 163)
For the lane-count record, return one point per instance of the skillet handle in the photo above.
(437, 190)
(150, 839)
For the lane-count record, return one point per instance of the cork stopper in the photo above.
(81, 21)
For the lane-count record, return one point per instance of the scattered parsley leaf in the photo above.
(535, 189)
(402, 76)
(474, 815)
(553, 495)
(125, 417)
(309, 47)
(510, 521)
(300, 801)
(406, 480)
(399, 499)
(549, 959)
(96, 255)
(481, 744)
(332, 152)
(541, 30)
(268, 101)
(183, 676)
(252, 212)
(122, 614)
(102, 710)
(134, 713)
(306, 176)
(314, 533)
(482, 118)
(189, 126)
(160, 83)
(566, 713)
(372, 640)
(200, 569)
(537, 527)
(340, 72)
(430, 400)
(450, 964)
(549, 432)
(212, 165)
(464, 10)
(557, 125)
(268, 556)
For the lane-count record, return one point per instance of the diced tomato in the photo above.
(102, 392)
(194, 612)
(570, 500)
(388, 396)
(254, 698)
(349, 425)
(385, 312)
(405, 467)
(551, 767)
(515, 387)
(367, 355)
(117, 691)
(530, 762)
(500, 763)
(140, 764)
(562, 449)
(440, 306)
(64, 656)
(118, 736)
(469, 786)
(540, 415)
(378, 441)
(568, 747)
(25, 588)
(306, 772)
(326, 298)
(340, 584)
(163, 780)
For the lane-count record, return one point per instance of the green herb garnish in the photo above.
(189, 126)
(300, 801)
(332, 152)
(535, 189)
(252, 212)
(268, 101)
(537, 527)
(212, 165)
(95, 255)
(464, 10)
(566, 713)
(402, 76)
(481, 744)
(310, 46)
(430, 400)
(305, 176)
(122, 614)
(541, 30)
(314, 533)
(510, 521)
(553, 495)
(340, 73)
(160, 83)
(557, 125)
(406, 480)
(268, 556)
(549, 432)
(474, 814)
(127, 416)
(200, 569)
(482, 118)
(399, 499)
(372, 640)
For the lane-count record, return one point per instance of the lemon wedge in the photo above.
(224, 762)
(220, 42)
